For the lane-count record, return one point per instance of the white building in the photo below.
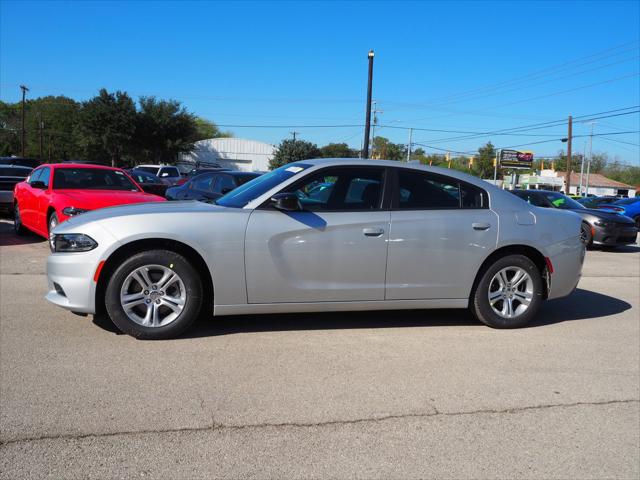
(555, 180)
(234, 153)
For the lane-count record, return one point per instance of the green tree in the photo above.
(58, 119)
(384, 149)
(163, 130)
(208, 129)
(483, 161)
(9, 129)
(106, 127)
(338, 150)
(292, 151)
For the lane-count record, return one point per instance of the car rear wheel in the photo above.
(154, 295)
(509, 293)
(18, 228)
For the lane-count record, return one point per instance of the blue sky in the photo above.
(463, 66)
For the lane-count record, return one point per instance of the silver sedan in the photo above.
(318, 235)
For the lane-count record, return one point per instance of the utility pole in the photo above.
(568, 174)
(409, 149)
(22, 136)
(495, 167)
(50, 139)
(367, 122)
(584, 154)
(586, 190)
(294, 135)
(373, 127)
(41, 125)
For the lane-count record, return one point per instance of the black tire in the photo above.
(586, 237)
(637, 220)
(188, 275)
(52, 222)
(479, 302)
(18, 227)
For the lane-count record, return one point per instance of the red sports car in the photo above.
(55, 192)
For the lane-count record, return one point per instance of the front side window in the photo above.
(203, 182)
(341, 189)
(224, 184)
(91, 179)
(421, 190)
(35, 175)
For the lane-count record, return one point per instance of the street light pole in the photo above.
(409, 148)
(586, 190)
(22, 135)
(367, 122)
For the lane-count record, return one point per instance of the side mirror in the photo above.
(38, 184)
(287, 202)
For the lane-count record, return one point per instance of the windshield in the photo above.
(242, 195)
(561, 201)
(91, 179)
(151, 170)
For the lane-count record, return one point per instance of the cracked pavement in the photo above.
(366, 395)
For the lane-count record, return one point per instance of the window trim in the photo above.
(385, 197)
(394, 200)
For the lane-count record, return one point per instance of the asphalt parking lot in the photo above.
(384, 395)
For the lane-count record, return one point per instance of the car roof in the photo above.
(78, 165)
(340, 162)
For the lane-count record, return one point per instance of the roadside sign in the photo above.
(515, 159)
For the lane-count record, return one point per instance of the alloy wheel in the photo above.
(511, 291)
(153, 295)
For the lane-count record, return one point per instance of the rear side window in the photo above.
(169, 172)
(224, 184)
(203, 182)
(421, 190)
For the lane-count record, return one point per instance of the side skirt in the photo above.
(257, 308)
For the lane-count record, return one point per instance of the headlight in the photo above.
(602, 224)
(71, 211)
(71, 242)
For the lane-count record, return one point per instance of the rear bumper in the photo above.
(618, 235)
(567, 258)
(6, 200)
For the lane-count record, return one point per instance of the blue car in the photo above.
(626, 206)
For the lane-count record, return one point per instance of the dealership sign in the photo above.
(515, 159)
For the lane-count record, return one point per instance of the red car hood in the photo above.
(93, 199)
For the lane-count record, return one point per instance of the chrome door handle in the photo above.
(373, 232)
(481, 226)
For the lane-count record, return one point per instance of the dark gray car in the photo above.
(598, 227)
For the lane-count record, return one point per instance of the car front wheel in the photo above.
(154, 295)
(509, 293)
(18, 228)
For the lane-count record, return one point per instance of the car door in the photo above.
(41, 201)
(441, 231)
(335, 249)
(27, 199)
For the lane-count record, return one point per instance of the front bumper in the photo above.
(618, 234)
(70, 280)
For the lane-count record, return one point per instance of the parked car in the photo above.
(629, 207)
(55, 192)
(149, 182)
(598, 227)
(21, 161)
(165, 172)
(197, 171)
(210, 186)
(10, 175)
(413, 237)
(594, 202)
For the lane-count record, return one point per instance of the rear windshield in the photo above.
(14, 172)
(91, 179)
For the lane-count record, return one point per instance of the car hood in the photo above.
(157, 208)
(603, 215)
(92, 199)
